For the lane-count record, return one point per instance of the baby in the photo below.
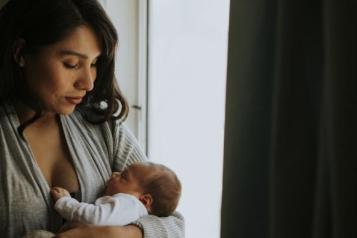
(141, 189)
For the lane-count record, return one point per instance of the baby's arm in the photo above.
(72, 210)
(75, 211)
(106, 211)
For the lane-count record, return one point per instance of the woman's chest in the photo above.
(52, 156)
(75, 159)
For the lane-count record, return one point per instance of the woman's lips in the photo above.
(74, 100)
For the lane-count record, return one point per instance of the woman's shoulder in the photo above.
(114, 135)
(77, 120)
(6, 108)
(8, 114)
(112, 131)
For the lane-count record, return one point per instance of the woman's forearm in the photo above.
(90, 231)
(163, 227)
(129, 231)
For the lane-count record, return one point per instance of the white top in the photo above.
(120, 209)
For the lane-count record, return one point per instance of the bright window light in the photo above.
(187, 78)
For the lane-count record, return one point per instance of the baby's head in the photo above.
(155, 185)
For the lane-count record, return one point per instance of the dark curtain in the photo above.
(290, 157)
(2, 2)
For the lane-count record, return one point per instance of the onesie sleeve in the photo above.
(120, 209)
(127, 151)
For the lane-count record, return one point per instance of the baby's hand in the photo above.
(58, 192)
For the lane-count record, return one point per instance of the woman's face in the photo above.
(61, 74)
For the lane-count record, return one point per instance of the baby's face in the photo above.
(127, 181)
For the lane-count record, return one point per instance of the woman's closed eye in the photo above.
(71, 65)
(77, 65)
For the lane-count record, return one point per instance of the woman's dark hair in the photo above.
(40, 23)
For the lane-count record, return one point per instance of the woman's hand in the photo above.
(91, 231)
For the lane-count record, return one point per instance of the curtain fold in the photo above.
(290, 157)
(2, 2)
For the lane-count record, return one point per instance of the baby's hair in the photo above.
(165, 188)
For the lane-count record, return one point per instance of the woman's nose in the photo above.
(86, 80)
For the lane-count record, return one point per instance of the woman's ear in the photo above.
(147, 200)
(17, 53)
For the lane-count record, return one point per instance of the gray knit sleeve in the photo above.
(126, 148)
(153, 226)
(127, 151)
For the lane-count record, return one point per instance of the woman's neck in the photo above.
(26, 113)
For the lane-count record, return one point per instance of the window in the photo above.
(130, 19)
(185, 68)
(187, 75)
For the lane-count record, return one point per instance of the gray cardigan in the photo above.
(96, 151)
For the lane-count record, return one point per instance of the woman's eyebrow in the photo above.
(71, 52)
(75, 53)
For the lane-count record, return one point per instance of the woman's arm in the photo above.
(91, 231)
(153, 226)
(162, 227)
(127, 151)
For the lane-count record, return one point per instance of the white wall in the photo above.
(187, 74)
(123, 15)
(129, 18)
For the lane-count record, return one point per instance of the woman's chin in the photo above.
(66, 110)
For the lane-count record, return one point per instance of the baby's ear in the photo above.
(147, 200)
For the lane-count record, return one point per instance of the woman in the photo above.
(61, 117)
